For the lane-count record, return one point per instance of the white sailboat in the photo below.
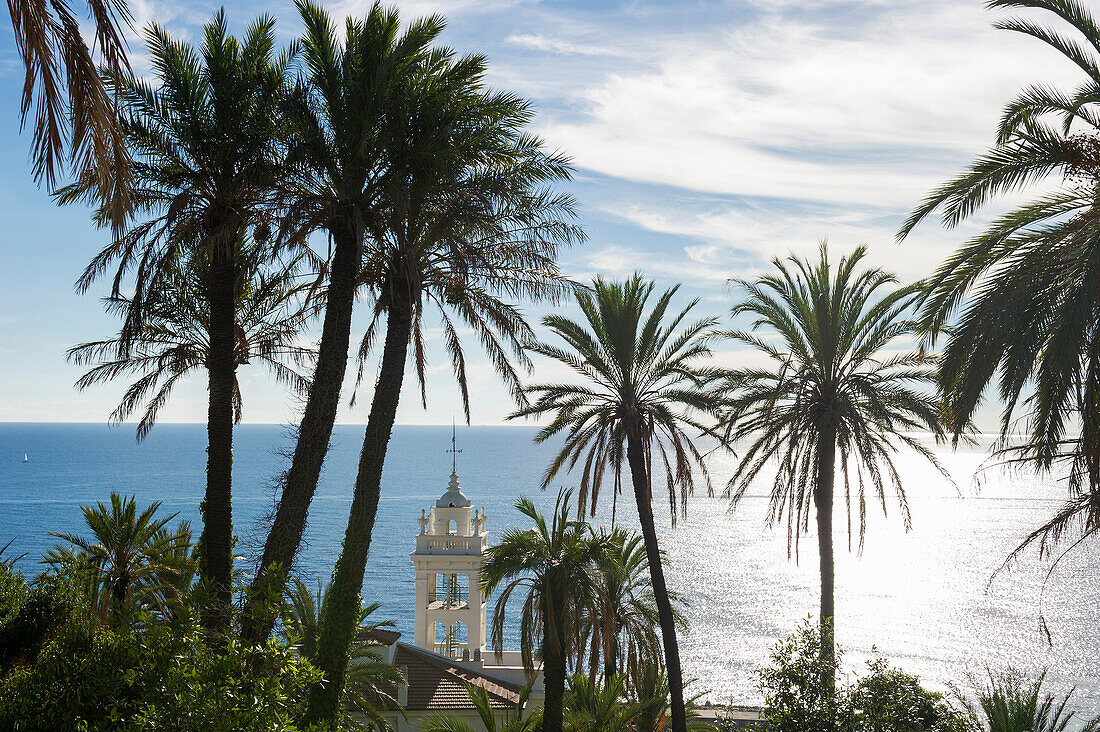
(25, 458)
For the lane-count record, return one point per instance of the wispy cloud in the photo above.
(725, 238)
(619, 261)
(415, 8)
(809, 107)
(540, 42)
(709, 137)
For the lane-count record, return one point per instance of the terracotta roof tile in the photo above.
(436, 683)
(379, 635)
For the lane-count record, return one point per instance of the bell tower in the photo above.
(450, 609)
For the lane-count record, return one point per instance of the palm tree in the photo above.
(174, 340)
(469, 228)
(642, 388)
(1022, 297)
(553, 563)
(491, 719)
(339, 170)
(1009, 703)
(75, 123)
(371, 682)
(132, 561)
(7, 563)
(622, 626)
(836, 382)
(207, 146)
(647, 688)
(591, 704)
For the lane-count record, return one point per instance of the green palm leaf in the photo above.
(643, 388)
(836, 393)
(131, 562)
(1017, 305)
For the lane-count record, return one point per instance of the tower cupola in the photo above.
(454, 497)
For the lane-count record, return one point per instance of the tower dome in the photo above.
(454, 497)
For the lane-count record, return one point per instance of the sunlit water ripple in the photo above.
(923, 598)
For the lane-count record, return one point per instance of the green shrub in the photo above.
(159, 678)
(85, 678)
(13, 596)
(798, 697)
(796, 694)
(890, 700)
(29, 614)
(231, 690)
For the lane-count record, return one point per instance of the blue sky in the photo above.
(708, 137)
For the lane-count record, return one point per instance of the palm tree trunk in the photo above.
(823, 502)
(553, 676)
(640, 475)
(611, 663)
(217, 507)
(343, 602)
(314, 433)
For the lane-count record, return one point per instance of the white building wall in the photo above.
(420, 628)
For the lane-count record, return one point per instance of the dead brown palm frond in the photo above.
(75, 124)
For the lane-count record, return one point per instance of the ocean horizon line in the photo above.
(114, 425)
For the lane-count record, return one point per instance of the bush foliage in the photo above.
(63, 668)
(90, 677)
(888, 700)
(797, 694)
(28, 613)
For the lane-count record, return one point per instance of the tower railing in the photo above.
(451, 650)
(457, 544)
(450, 596)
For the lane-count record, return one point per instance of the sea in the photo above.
(931, 600)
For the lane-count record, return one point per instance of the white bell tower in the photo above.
(450, 610)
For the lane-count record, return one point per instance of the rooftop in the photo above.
(437, 683)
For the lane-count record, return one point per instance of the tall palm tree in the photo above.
(75, 124)
(470, 227)
(1018, 304)
(553, 563)
(621, 628)
(131, 561)
(836, 382)
(206, 140)
(642, 390)
(371, 683)
(339, 166)
(174, 340)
